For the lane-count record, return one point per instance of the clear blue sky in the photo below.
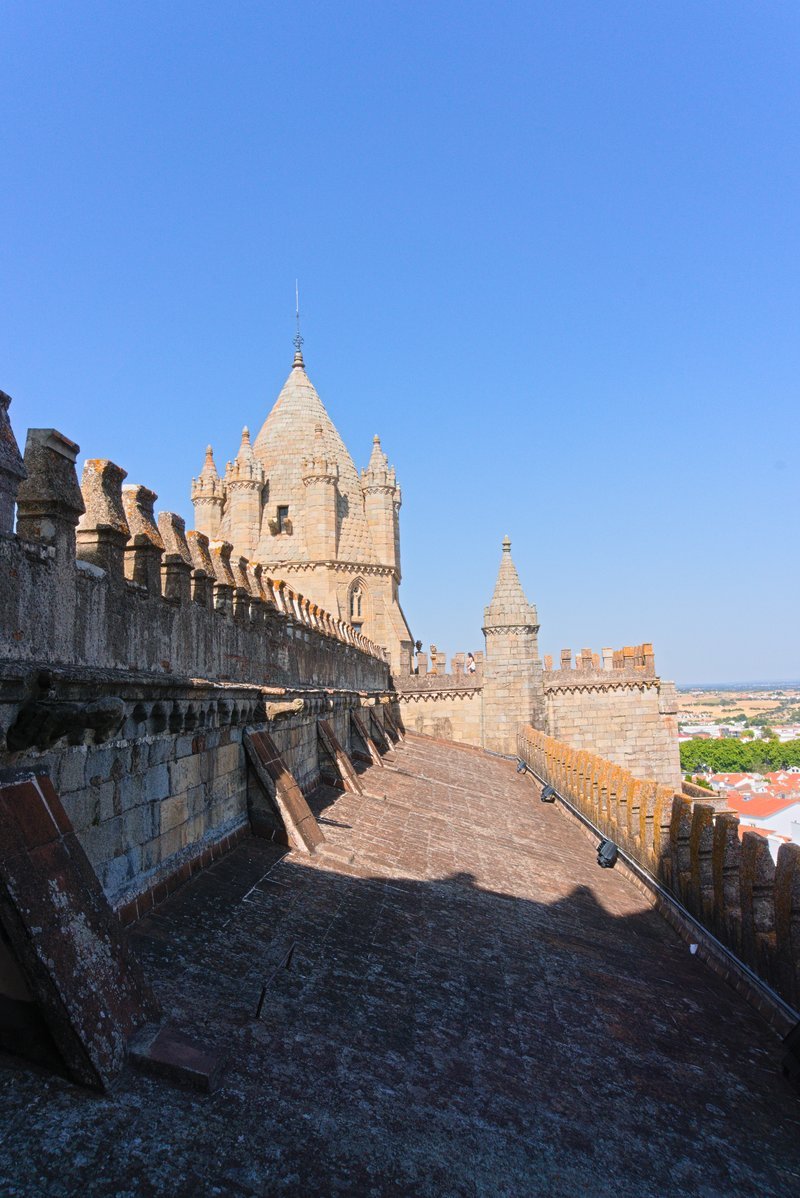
(549, 251)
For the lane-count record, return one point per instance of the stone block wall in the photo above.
(450, 714)
(92, 577)
(447, 706)
(512, 693)
(731, 885)
(630, 721)
(154, 797)
(628, 716)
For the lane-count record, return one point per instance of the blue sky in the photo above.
(549, 252)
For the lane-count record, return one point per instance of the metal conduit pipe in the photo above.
(654, 885)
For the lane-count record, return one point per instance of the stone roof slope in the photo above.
(474, 1007)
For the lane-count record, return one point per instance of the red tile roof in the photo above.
(762, 832)
(759, 806)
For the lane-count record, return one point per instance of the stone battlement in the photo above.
(434, 665)
(93, 577)
(609, 665)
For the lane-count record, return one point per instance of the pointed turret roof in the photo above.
(289, 437)
(377, 459)
(209, 469)
(245, 453)
(509, 605)
(378, 471)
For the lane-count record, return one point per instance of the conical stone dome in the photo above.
(287, 439)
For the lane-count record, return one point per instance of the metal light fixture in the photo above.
(607, 853)
(522, 767)
(548, 795)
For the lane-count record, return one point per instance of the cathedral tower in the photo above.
(294, 501)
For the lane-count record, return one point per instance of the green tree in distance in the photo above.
(729, 755)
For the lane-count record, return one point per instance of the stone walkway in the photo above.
(474, 1008)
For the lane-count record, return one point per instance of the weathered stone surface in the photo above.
(473, 1008)
(145, 548)
(167, 1052)
(368, 749)
(49, 501)
(338, 761)
(103, 529)
(64, 935)
(281, 787)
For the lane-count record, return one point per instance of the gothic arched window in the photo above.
(357, 605)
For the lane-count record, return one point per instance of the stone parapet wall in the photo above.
(446, 712)
(151, 769)
(415, 684)
(60, 612)
(732, 886)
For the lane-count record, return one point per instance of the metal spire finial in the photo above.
(298, 339)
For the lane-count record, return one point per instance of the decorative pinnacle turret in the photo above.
(245, 449)
(209, 468)
(506, 544)
(378, 472)
(208, 484)
(318, 466)
(245, 468)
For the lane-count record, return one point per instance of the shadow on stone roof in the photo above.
(433, 1036)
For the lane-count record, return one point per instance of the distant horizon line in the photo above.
(792, 683)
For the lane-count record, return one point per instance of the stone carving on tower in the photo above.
(294, 501)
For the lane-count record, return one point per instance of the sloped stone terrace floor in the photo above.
(475, 1009)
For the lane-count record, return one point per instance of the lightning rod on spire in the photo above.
(298, 338)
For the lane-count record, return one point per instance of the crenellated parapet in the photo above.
(606, 667)
(95, 576)
(728, 882)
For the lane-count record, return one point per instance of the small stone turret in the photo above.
(208, 497)
(320, 481)
(244, 479)
(514, 686)
(382, 501)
